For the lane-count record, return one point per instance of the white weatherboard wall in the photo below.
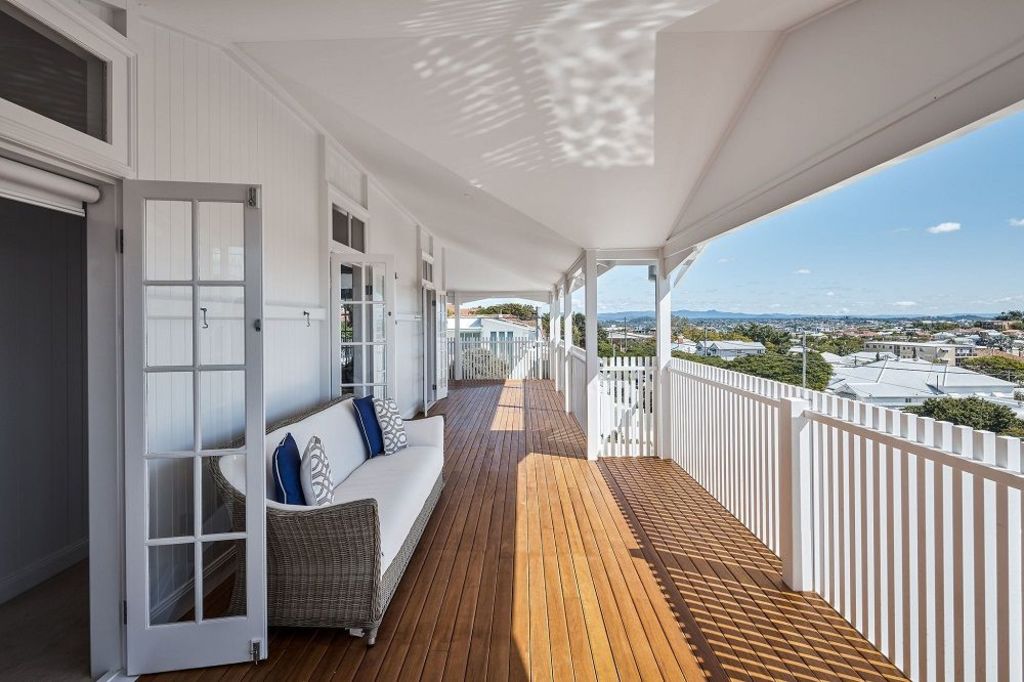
(202, 117)
(392, 231)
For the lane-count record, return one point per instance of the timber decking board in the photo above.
(731, 584)
(538, 564)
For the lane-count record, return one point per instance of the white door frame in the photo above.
(221, 640)
(342, 254)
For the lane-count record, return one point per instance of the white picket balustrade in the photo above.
(497, 360)
(627, 403)
(915, 526)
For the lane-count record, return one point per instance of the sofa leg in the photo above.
(371, 637)
(356, 632)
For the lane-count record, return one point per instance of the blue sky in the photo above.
(940, 232)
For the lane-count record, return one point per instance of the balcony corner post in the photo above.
(593, 362)
(663, 351)
(795, 532)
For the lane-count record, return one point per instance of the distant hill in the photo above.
(632, 315)
(695, 315)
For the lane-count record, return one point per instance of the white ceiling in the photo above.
(526, 129)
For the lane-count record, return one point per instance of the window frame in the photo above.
(26, 131)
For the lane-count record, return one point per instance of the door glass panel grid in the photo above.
(195, 399)
(362, 328)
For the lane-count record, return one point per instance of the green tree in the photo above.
(975, 412)
(775, 366)
(840, 345)
(786, 368)
(520, 311)
(579, 335)
(1011, 315)
(999, 366)
(771, 337)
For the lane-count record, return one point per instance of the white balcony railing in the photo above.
(497, 360)
(910, 528)
(627, 402)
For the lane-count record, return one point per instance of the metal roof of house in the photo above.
(736, 345)
(913, 379)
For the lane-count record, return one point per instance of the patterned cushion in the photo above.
(317, 483)
(392, 427)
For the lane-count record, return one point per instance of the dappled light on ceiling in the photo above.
(586, 69)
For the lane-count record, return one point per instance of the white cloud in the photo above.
(830, 293)
(1017, 222)
(943, 228)
(802, 271)
(905, 304)
(775, 305)
(725, 260)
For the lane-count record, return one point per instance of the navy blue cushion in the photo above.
(287, 468)
(368, 424)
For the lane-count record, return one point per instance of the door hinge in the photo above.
(124, 612)
(119, 241)
(253, 199)
(254, 650)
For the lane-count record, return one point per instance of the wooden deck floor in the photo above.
(540, 565)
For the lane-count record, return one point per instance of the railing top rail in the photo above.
(751, 395)
(993, 449)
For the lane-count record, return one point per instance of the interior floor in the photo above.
(45, 631)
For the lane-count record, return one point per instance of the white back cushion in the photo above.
(338, 431)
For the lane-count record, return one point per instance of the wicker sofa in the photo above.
(339, 565)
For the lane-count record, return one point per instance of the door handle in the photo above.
(206, 325)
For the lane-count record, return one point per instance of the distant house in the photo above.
(686, 346)
(492, 329)
(898, 383)
(865, 358)
(730, 350)
(932, 351)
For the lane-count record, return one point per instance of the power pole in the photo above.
(803, 347)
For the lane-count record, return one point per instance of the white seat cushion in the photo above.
(401, 484)
(337, 429)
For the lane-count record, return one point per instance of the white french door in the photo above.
(362, 313)
(193, 374)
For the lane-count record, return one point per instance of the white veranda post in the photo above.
(593, 386)
(555, 335)
(457, 301)
(663, 351)
(567, 331)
